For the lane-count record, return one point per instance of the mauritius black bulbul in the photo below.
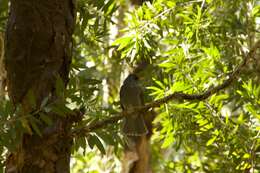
(131, 97)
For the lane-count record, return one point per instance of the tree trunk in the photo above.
(38, 52)
(2, 69)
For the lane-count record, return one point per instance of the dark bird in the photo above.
(131, 96)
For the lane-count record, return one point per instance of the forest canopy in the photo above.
(199, 66)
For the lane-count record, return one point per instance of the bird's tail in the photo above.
(134, 126)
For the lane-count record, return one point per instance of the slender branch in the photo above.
(176, 95)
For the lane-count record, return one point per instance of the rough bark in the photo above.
(38, 51)
(2, 68)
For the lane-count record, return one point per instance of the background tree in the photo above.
(204, 63)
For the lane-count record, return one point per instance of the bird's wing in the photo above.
(122, 93)
(131, 96)
(141, 96)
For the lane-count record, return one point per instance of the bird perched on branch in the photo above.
(131, 97)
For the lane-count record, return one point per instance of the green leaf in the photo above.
(44, 102)
(26, 125)
(61, 109)
(107, 5)
(123, 42)
(251, 109)
(93, 140)
(167, 64)
(211, 141)
(107, 138)
(45, 118)
(81, 142)
(171, 4)
(8, 108)
(34, 122)
(256, 11)
(169, 140)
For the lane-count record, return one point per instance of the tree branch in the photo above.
(176, 95)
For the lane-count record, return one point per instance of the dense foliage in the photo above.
(191, 45)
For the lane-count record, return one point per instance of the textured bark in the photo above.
(38, 50)
(2, 68)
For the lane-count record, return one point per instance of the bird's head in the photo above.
(131, 78)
